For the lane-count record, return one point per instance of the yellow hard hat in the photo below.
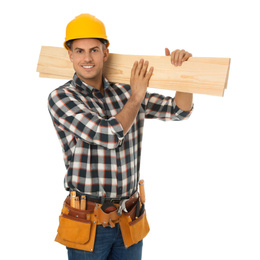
(85, 26)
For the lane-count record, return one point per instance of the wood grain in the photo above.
(197, 75)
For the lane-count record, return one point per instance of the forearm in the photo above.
(85, 124)
(139, 81)
(127, 115)
(184, 100)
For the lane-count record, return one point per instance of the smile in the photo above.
(88, 66)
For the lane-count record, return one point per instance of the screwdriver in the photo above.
(137, 209)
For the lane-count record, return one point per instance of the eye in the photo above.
(79, 50)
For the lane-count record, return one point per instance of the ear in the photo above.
(70, 55)
(106, 53)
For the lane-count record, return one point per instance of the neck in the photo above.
(96, 83)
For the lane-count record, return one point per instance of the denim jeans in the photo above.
(109, 245)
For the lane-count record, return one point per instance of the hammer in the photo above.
(142, 192)
(142, 199)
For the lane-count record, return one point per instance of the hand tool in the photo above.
(142, 196)
(77, 202)
(137, 209)
(83, 202)
(72, 198)
(142, 191)
(142, 210)
(122, 207)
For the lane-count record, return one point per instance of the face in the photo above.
(88, 57)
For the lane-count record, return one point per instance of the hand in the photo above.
(178, 56)
(140, 78)
(139, 82)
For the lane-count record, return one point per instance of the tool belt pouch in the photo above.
(133, 230)
(76, 228)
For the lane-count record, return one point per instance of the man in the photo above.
(100, 126)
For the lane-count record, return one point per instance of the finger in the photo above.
(186, 56)
(133, 71)
(144, 68)
(139, 67)
(167, 52)
(180, 57)
(149, 73)
(174, 57)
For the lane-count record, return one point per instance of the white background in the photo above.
(202, 175)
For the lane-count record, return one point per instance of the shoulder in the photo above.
(63, 90)
(120, 88)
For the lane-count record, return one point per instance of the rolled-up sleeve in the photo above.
(72, 115)
(163, 108)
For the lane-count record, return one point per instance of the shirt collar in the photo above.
(77, 82)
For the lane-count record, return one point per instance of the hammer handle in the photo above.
(142, 192)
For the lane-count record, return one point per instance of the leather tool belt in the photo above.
(77, 228)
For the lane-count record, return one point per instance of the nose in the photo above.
(88, 57)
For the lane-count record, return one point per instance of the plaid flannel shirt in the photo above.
(99, 159)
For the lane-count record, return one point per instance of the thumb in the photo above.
(167, 52)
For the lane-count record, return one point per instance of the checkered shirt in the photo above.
(100, 161)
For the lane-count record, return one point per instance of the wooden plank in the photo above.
(52, 76)
(197, 75)
(55, 61)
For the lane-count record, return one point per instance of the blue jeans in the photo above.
(109, 245)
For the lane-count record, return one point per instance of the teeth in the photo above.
(88, 67)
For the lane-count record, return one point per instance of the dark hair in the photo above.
(69, 44)
(103, 41)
